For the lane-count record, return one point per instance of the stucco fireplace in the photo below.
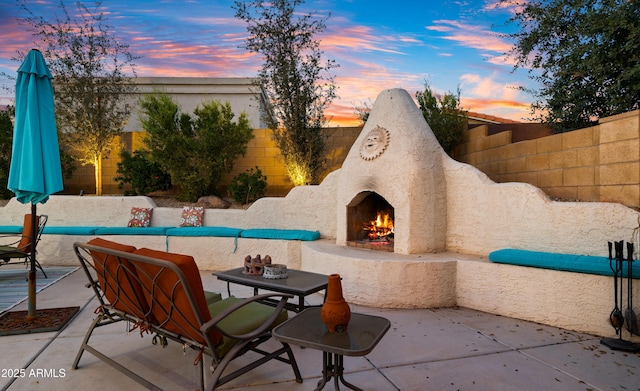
(395, 165)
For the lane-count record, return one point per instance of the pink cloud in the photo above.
(467, 35)
(359, 39)
(513, 6)
(514, 110)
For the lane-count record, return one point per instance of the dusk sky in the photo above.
(378, 45)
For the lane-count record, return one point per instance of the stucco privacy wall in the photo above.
(481, 215)
(600, 163)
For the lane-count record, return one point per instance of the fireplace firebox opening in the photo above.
(370, 222)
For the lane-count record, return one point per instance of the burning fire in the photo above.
(381, 228)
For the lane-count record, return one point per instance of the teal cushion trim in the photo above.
(10, 229)
(69, 230)
(158, 231)
(204, 231)
(223, 232)
(283, 234)
(564, 262)
(244, 320)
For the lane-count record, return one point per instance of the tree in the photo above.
(362, 111)
(91, 88)
(297, 83)
(195, 150)
(141, 173)
(444, 115)
(585, 53)
(248, 186)
(6, 140)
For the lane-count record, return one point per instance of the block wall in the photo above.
(261, 152)
(600, 163)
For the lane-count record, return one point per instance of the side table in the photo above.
(307, 330)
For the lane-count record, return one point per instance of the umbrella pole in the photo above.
(31, 308)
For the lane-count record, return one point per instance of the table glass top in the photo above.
(306, 329)
(297, 281)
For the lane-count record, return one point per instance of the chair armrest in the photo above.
(206, 327)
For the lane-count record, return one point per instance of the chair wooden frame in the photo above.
(21, 247)
(129, 301)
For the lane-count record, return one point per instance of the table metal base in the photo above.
(333, 367)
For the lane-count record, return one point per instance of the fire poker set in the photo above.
(618, 319)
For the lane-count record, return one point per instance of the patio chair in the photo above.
(20, 249)
(161, 294)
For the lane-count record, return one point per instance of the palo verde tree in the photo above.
(444, 115)
(585, 55)
(196, 150)
(297, 81)
(91, 88)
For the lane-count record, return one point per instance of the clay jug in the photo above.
(335, 311)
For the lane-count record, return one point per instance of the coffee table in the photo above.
(299, 283)
(307, 330)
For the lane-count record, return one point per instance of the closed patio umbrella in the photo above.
(35, 171)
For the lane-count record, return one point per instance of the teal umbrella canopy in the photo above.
(35, 171)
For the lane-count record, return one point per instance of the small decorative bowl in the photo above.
(275, 272)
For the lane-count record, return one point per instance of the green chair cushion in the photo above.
(244, 320)
(10, 252)
(212, 297)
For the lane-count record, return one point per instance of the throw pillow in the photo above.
(192, 216)
(140, 217)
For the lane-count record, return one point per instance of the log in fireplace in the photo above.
(370, 222)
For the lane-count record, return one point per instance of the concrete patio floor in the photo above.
(425, 349)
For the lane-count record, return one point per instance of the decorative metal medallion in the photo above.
(375, 143)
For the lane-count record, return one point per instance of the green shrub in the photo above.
(248, 186)
(144, 175)
(68, 164)
(196, 150)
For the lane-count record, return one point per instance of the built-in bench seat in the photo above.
(225, 232)
(68, 230)
(587, 264)
(280, 234)
(213, 247)
(10, 229)
(155, 231)
(218, 231)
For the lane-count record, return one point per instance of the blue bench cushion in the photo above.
(204, 231)
(283, 234)
(158, 231)
(10, 229)
(69, 230)
(565, 262)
